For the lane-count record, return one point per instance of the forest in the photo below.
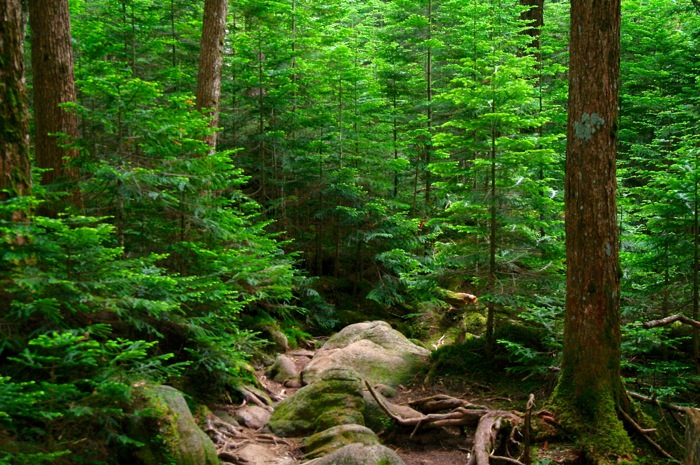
(179, 186)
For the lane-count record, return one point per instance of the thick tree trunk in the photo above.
(54, 84)
(211, 54)
(15, 178)
(692, 437)
(590, 389)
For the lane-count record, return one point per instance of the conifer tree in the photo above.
(15, 176)
(590, 393)
(53, 86)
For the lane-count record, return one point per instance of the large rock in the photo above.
(252, 416)
(332, 439)
(335, 399)
(359, 454)
(284, 369)
(259, 454)
(179, 439)
(380, 354)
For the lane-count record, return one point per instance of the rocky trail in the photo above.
(357, 401)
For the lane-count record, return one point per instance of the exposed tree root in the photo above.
(229, 439)
(258, 398)
(645, 434)
(490, 424)
(487, 438)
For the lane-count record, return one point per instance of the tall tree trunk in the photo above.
(15, 178)
(211, 54)
(429, 109)
(696, 268)
(590, 391)
(534, 18)
(54, 84)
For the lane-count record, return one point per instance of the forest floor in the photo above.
(447, 445)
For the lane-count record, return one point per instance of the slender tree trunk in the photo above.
(493, 237)
(696, 269)
(211, 62)
(54, 84)
(173, 33)
(429, 110)
(15, 177)
(590, 390)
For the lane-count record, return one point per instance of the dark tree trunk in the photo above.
(534, 20)
(590, 389)
(54, 84)
(692, 436)
(211, 54)
(15, 178)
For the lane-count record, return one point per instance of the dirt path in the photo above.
(439, 446)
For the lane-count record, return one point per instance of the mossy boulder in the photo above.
(171, 435)
(376, 351)
(335, 399)
(284, 369)
(334, 438)
(359, 454)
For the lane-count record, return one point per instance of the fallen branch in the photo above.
(527, 429)
(655, 401)
(506, 459)
(671, 319)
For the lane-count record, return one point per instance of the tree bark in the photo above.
(590, 391)
(54, 84)
(692, 437)
(211, 54)
(15, 177)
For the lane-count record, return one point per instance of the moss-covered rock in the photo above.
(359, 454)
(378, 353)
(335, 399)
(334, 438)
(171, 434)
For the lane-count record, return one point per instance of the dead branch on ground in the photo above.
(655, 401)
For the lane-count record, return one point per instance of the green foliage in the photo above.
(538, 351)
(72, 383)
(391, 149)
(654, 362)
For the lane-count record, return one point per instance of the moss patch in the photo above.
(592, 418)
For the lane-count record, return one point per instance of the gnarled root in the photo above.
(496, 430)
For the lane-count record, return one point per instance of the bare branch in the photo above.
(671, 319)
